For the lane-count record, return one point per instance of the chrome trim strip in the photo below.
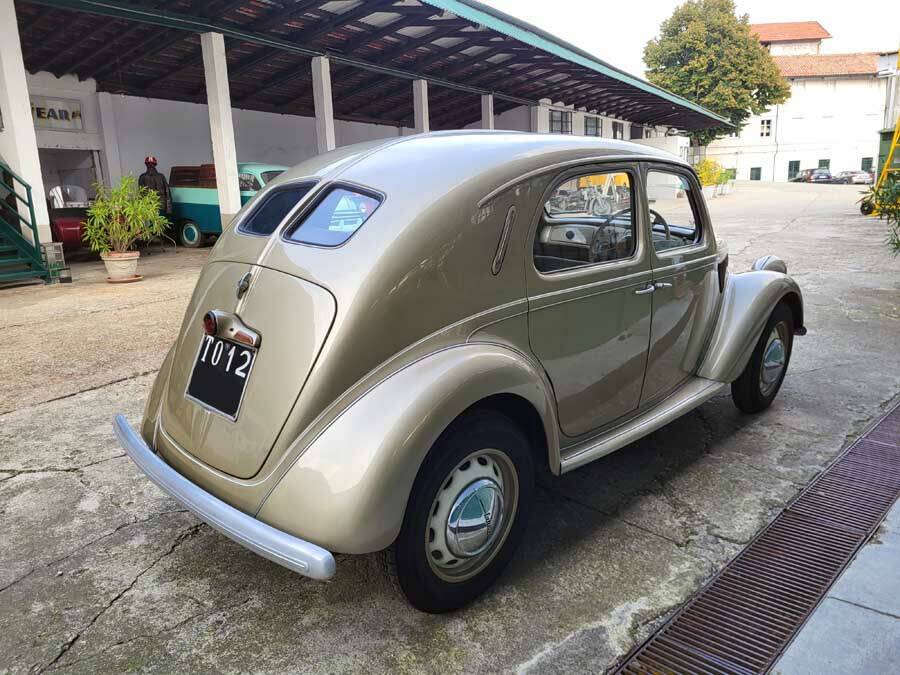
(601, 159)
(279, 547)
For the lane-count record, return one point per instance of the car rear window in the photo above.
(275, 206)
(336, 216)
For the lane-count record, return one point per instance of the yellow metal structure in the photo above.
(892, 161)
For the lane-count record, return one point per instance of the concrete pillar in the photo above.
(540, 119)
(18, 142)
(221, 128)
(321, 78)
(113, 161)
(420, 105)
(487, 111)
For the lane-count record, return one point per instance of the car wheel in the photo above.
(466, 513)
(758, 385)
(866, 208)
(189, 235)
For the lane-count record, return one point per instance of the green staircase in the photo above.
(20, 258)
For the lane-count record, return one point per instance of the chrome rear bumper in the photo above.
(279, 547)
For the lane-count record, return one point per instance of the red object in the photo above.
(67, 227)
(150, 159)
(210, 324)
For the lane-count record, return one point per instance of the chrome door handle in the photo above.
(649, 288)
(662, 284)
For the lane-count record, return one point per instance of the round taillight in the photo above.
(210, 325)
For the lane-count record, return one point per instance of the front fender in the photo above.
(347, 491)
(747, 302)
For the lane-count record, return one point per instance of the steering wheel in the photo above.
(657, 219)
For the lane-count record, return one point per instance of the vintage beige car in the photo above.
(394, 336)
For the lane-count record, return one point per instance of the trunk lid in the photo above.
(293, 318)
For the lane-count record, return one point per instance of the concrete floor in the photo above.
(100, 572)
(856, 629)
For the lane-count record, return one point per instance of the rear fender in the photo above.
(347, 491)
(747, 303)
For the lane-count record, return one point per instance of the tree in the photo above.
(706, 54)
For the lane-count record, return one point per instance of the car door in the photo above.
(682, 252)
(589, 305)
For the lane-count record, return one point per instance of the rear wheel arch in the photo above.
(525, 416)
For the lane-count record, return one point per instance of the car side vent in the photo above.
(504, 241)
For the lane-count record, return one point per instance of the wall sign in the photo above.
(56, 113)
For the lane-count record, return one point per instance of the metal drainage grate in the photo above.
(744, 618)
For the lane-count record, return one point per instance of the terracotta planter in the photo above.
(121, 266)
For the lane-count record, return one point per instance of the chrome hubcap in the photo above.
(475, 518)
(773, 361)
(471, 515)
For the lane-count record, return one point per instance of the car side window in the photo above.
(588, 219)
(273, 209)
(674, 219)
(247, 182)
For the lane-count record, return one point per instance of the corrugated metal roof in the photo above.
(151, 48)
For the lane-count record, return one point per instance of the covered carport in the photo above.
(410, 64)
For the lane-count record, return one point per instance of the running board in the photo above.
(691, 394)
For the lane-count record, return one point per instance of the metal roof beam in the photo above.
(202, 25)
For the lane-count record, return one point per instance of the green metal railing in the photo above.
(27, 252)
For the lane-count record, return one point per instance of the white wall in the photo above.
(178, 133)
(794, 48)
(826, 118)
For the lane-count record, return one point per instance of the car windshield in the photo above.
(269, 176)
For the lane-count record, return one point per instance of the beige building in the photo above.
(838, 105)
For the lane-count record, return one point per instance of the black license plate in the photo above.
(220, 375)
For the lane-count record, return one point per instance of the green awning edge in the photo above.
(532, 35)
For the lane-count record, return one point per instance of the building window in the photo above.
(756, 173)
(618, 130)
(793, 169)
(560, 122)
(592, 126)
(637, 131)
(824, 163)
(765, 127)
(866, 164)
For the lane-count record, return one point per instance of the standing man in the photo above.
(154, 180)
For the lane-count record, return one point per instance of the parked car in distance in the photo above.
(67, 206)
(854, 178)
(395, 335)
(195, 200)
(812, 176)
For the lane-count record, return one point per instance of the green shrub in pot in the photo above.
(118, 218)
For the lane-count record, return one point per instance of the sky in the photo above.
(617, 32)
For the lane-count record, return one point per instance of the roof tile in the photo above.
(822, 65)
(789, 31)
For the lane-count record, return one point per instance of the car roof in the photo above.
(439, 161)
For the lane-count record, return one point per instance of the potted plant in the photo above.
(884, 201)
(708, 171)
(118, 218)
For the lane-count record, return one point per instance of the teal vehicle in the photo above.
(195, 201)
